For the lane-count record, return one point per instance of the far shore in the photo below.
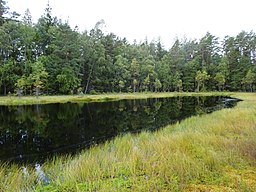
(28, 100)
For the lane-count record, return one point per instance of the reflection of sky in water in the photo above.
(42, 177)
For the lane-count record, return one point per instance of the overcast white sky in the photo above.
(137, 19)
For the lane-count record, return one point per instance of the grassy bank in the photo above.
(26, 100)
(213, 152)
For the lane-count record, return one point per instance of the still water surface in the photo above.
(32, 133)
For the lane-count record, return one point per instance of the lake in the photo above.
(32, 133)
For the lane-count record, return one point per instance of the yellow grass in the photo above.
(25, 100)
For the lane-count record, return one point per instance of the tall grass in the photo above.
(213, 152)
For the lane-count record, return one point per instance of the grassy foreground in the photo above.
(213, 152)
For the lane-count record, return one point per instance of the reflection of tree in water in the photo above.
(207, 104)
(42, 129)
(33, 117)
(199, 106)
(29, 129)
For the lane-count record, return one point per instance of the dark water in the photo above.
(30, 134)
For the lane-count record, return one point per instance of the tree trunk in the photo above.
(198, 87)
(88, 81)
(4, 90)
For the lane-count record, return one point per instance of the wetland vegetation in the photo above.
(208, 152)
(31, 133)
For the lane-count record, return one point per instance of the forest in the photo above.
(49, 57)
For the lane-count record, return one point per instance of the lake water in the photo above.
(32, 133)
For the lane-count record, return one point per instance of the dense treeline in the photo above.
(52, 58)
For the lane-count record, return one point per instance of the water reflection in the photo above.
(33, 133)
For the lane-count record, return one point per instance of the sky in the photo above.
(151, 19)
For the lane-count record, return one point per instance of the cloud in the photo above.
(135, 19)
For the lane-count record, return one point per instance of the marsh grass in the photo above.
(213, 152)
(27, 100)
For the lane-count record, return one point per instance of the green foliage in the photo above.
(121, 85)
(22, 82)
(249, 79)
(36, 80)
(189, 74)
(67, 80)
(8, 75)
(146, 83)
(100, 61)
(201, 78)
(179, 85)
(4, 9)
(157, 84)
(38, 76)
(134, 73)
(220, 79)
(208, 48)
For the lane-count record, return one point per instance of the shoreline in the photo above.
(29, 100)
